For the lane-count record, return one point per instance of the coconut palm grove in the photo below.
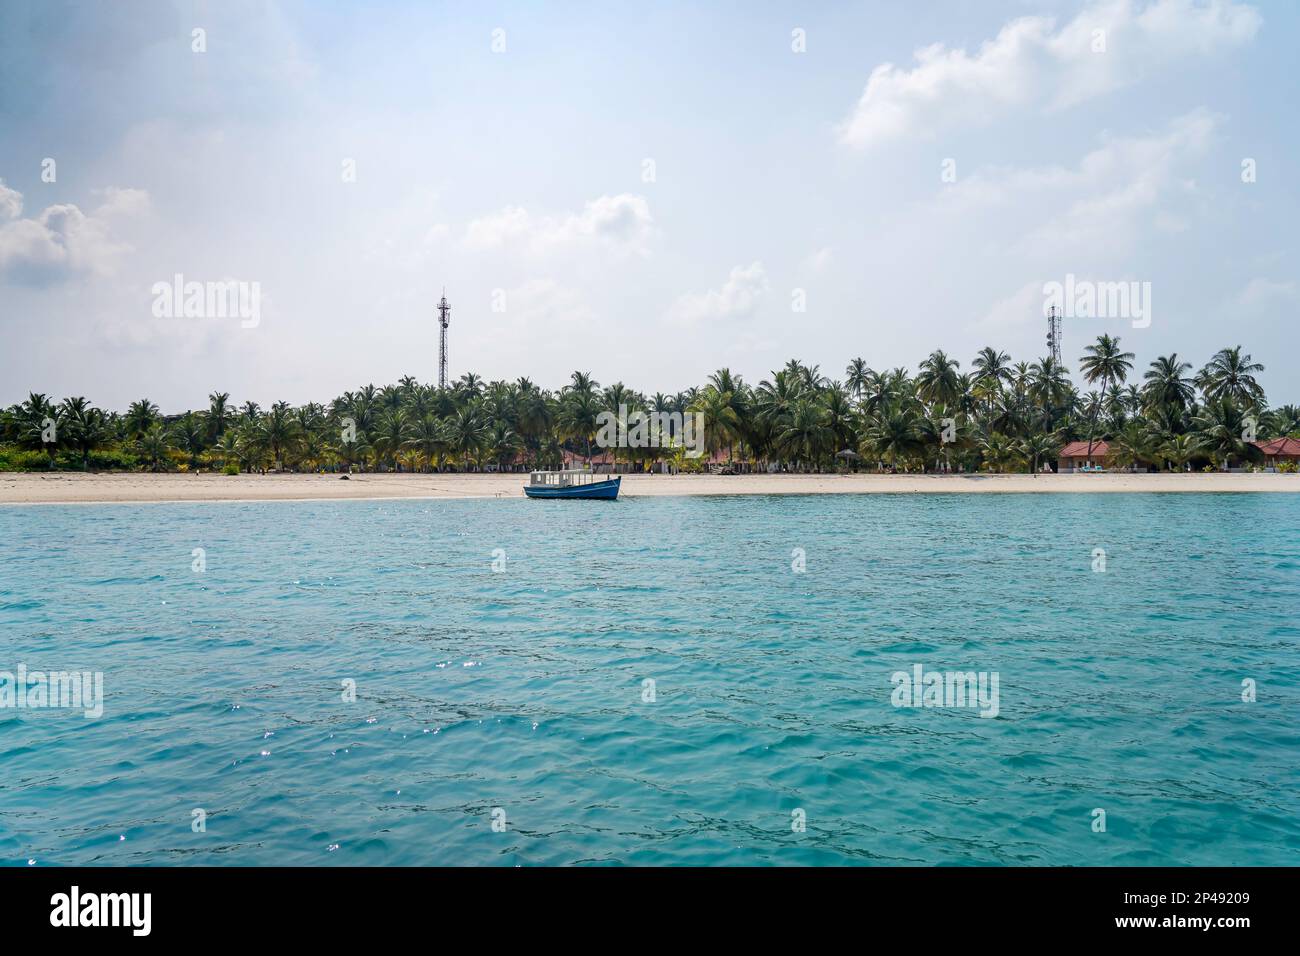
(993, 415)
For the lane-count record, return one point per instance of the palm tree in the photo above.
(1231, 375)
(1040, 446)
(939, 382)
(314, 447)
(154, 447)
(856, 377)
(312, 427)
(877, 391)
(250, 445)
(140, 417)
(1167, 385)
(840, 420)
(468, 387)
(895, 435)
(505, 444)
(467, 434)
(1220, 428)
(583, 382)
(536, 414)
(37, 424)
(1000, 452)
(226, 450)
(429, 437)
(723, 402)
(190, 434)
(1009, 414)
(577, 419)
(392, 434)
(810, 376)
(1104, 362)
(616, 400)
(1283, 421)
(278, 431)
(351, 448)
(391, 398)
(218, 415)
(992, 371)
(1131, 446)
(616, 395)
(86, 427)
(804, 435)
(1179, 450)
(1049, 389)
(932, 424)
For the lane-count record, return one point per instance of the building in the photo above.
(1277, 451)
(1075, 456)
(601, 460)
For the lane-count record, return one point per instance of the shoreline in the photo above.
(64, 488)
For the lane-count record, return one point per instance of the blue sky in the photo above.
(516, 178)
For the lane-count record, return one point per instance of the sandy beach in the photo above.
(66, 488)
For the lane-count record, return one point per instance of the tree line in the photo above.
(996, 415)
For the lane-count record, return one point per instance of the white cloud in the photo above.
(63, 241)
(1031, 65)
(499, 228)
(739, 297)
(119, 201)
(621, 222)
(1090, 219)
(1112, 197)
(11, 202)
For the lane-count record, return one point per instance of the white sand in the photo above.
(63, 488)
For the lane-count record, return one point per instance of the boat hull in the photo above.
(603, 490)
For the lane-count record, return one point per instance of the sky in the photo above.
(648, 192)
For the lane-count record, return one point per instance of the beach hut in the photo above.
(1076, 457)
(1277, 451)
(602, 460)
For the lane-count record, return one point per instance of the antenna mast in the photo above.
(444, 320)
(1054, 334)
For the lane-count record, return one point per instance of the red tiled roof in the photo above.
(1279, 446)
(1079, 449)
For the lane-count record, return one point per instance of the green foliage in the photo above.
(13, 458)
(1000, 416)
(102, 459)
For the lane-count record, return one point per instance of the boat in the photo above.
(571, 484)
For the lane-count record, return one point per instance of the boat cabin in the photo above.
(563, 479)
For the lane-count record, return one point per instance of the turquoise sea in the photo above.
(524, 689)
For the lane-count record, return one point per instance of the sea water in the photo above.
(657, 681)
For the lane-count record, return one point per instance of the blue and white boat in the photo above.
(571, 484)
